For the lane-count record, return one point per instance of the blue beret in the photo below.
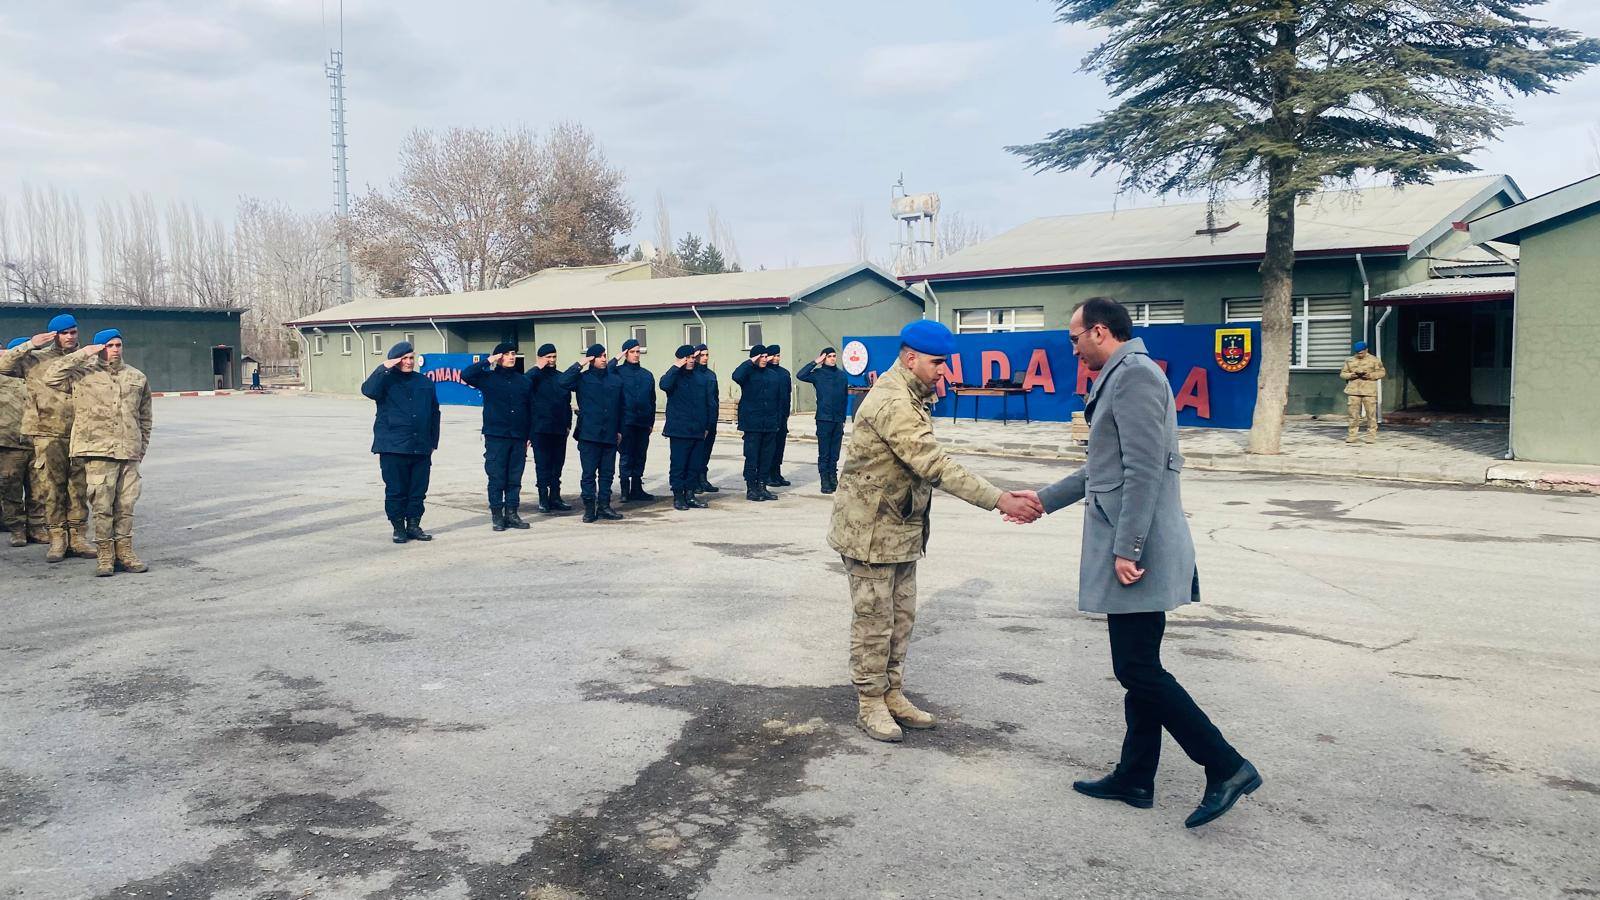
(629, 344)
(595, 350)
(16, 342)
(1360, 346)
(63, 322)
(401, 349)
(100, 337)
(932, 338)
(546, 349)
(684, 352)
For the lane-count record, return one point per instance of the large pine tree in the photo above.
(1287, 96)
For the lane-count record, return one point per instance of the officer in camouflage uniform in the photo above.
(880, 522)
(20, 510)
(110, 432)
(1361, 374)
(56, 477)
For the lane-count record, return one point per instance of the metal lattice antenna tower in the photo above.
(341, 170)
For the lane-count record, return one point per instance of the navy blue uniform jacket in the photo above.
(599, 403)
(691, 403)
(408, 412)
(833, 392)
(506, 395)
(551, 410)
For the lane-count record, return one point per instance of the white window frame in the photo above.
(699, 336)
(347, 345)
(998, 320)
(1302, 320)
(1139, 310)
(640, 333)
(746, 330)
(588, 335)
(319, 343)
(375, 340)
(411, 338)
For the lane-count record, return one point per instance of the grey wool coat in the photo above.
(1129, 484)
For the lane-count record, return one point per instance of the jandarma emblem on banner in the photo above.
(855, 358)
(1233, 349)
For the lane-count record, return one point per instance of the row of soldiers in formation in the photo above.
(616, 400)
(74, 425)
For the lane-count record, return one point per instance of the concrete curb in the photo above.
(245, 392)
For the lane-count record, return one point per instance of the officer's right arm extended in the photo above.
(909, 437)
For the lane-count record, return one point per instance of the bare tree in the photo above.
(133, 263)
(288, 268)
(581, 205)
(858, 235)
(43, 248)
(204, 263)
(720, 237)
(957, 232)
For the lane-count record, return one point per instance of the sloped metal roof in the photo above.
(1442, 290)
(1508, 224)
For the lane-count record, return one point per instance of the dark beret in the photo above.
(546, 349)
(699, 347)
(595, 350)
(504, 347)
(826, 351)
(401, 349)
(757, 350)
(774, 349)
(684, 352)
(629, 344)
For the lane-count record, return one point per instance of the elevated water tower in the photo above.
(917, 220)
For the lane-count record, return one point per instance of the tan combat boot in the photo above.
(874, 719)
(105, 559)
(19, 536)
(58, 544)
(38, 534)
(906, 713)
(125, 557)
(76, 544)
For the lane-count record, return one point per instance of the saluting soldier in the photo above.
(1361, 374)
(691, 416)
(20, 509)
(783, 394)
(56, 477)
(759, 420)
(550, 418)
(111, 422)
(599, 429)
(506, 395)
(702, 356)
(405, 433)
(833, 396)
(894, 464)
(638, 420)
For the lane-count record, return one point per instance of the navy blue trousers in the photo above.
(683, 473)
(549, 456)
(759, 449)
(632, 450)
(830, 437)
(405, 483)
(599, 463)
(504, 460)
(702, 462)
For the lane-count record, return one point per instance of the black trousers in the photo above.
(599, 464)
(830, 437)
(504, 460)
(780, 441)
(632, 450)
(549, 456)
(683, 474)
(405, 483)
(702, 463)
(759, 449)
(1155, 700)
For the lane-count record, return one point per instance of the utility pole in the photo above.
(341, 170)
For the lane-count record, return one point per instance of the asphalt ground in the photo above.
(289, 706)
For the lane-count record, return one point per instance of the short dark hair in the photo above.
(1108, 312)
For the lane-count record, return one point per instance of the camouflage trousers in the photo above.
(19, 504)
(1359, 405)
(883, 598)
(58, 482)
(113, 490)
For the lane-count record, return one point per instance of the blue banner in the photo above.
(444, 369)
(1212, 369)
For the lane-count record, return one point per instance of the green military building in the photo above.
(1555, 372)
(802, 310)
(1191, 263)
(179, 348)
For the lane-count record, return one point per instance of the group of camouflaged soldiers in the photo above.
(74, 426)
(616, 415)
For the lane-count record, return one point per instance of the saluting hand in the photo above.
(43, 338)
(587, 361)
(91, 349)
(493, 360)
(821, 357)
(391, 363)
(680, 363)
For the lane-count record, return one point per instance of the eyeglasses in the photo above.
(1074, 337)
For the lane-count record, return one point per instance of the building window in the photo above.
(752, 334)
(1156, 312)
(346, 346)
(377, 344)
(411, 338)
(694, 335)
(588, 336)
(1321, 329)
(319, 343)
(637, 332)
(995, 321)
(1424, 337)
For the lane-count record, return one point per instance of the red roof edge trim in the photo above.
(1442, 298)
(535, 313)
(1138, 263)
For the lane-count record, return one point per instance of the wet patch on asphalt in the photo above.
(754, 551)
(1018, 678)
(24, 803)
(315, 718)
(116, 695)
(363, 633)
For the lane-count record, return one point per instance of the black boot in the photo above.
(513, 520)
(639, 491)
(693, 502)
(706, 487)
(625, 489)
(588, 511)
(544, 500)
(605, 511)
(555, 501)
(400, 536)
(778, 480)
(677, 499)
(414, 529)
(497, 518)
(827, 483)
(766, 494)
(754, 491)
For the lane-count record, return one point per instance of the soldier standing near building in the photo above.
(1361, 374)
(784, 399)
(405, 433)
(702, 357)
(550, 418)
(506, 395)
(758, 419)
(56, 478)
(638, 420)
(599, 429)
(691, 416)
(111, 421)
(20, 510)
(833, 397)
(894, 464)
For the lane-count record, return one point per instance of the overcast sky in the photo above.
(785, 117)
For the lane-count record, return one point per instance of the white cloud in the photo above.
(912, 69)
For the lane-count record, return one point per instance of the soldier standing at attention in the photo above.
(691, 415)
(784, 399)
(702, 356)
(506, 395)
(550, 418)
(758, 419)
(894, 464)
(833, 396)
(110, 432)
(599, 429)
(405, 433)
(20, 510)
(638, 420)
(1361, 374)
(57, 479)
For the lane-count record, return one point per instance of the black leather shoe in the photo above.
(399, 525)
(558, 504)
(414, 530)
(678, 501)
(497, 519)
(753, 493)
(606, 512)
(544, 501)
(1113, 788)
(639, 492)
(779, 481)
(1220, 797)
(766, 494)
(513, 520)
(692, 502)
(706, 487)
(588, 511)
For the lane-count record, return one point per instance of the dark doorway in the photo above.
(222, 368)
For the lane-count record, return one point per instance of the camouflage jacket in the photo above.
(48, 412)
(880, 512)
(110, 406)
(1361, 375)
(13, 399)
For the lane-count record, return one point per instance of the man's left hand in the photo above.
(1128, 571)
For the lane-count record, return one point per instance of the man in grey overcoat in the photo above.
(1138, 560)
